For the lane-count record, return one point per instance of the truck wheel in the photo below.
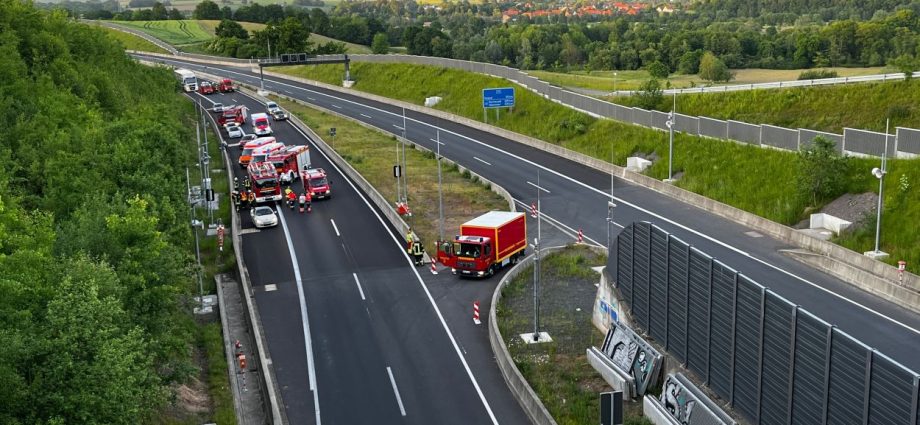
(492, 270)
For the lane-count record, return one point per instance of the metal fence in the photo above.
(758, 134)
(772, 361)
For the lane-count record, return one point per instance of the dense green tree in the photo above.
(658, 70)
(381, 44)
(228, 28)
(207, 9)
(649, 94)
(821, 171)
(713, 69)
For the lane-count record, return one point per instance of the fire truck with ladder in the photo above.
(265, 183)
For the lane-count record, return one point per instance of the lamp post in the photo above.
(614, 84)
(440, 192)
(879, 173)
(670, 124)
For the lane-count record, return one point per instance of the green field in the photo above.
(728, 172)
(631, 80)
(133, 42)
(825, 108)
(176, 33)
(190, 34)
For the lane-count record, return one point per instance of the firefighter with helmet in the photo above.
(418, 252)
(291, 197)
(302, 200)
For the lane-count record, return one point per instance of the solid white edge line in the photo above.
(538, 187)
(305, 319)
(360, 291)
(621, 200)
(409, 262)
(402, 409)
(477, 158)
(334, 227)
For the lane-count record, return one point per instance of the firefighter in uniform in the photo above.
(308, 197)
(409, 240)
(418, 252)
(244, 200)
(302, 200)
(291, 197)
(247, 183)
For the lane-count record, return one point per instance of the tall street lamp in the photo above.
(879, 173)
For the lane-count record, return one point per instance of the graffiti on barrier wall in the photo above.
(677, 401)
(632, 355)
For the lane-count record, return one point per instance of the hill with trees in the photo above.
(95, 264)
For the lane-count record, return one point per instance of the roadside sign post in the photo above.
(496, 99)
(332, 133)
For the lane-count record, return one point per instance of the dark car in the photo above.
(279, 115)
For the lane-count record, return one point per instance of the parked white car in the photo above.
(235, 132)
(264, 216)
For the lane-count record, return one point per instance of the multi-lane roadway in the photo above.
(577, 196)
(354, 334)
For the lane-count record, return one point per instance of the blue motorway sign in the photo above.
(498, 98)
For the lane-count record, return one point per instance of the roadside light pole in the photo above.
(440, 193)
(536, 287)
(670, 124)
(879, 173)
(614, 84)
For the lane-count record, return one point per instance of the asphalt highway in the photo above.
(577, 196)
(354, 335)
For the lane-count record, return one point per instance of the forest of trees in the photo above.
(95, 252)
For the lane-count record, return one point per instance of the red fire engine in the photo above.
(205, 88)
(289, 161)
(235, 114)
(314, 180)
(265, 183)
(225, 86)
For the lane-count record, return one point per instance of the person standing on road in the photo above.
(418, 252)
(302, 200)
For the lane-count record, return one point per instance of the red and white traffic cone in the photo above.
(476, 313)
(434, 267)
(581, 237)
(533, 210)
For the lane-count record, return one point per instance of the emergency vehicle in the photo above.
(265, 183)
(248, 148)
(235, 114)
(261, 153)
(225, 86)
(289, 161)
(314, 180)
(260, 125)
(205, 87)
(486, 244)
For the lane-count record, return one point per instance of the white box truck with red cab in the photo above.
(260, 124)
(486, 244)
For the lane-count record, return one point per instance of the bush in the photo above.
(815, 74)
(650, 94)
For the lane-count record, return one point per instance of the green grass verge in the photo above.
(349, 47)
(760, 181)
(559, 371)
(132, 42)
(825, 108)
(172, 32)
(631, 80)
(211, 341)
(372, 153)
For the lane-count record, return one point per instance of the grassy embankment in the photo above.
(372, 153)
(213, 261)
(133, 42)
(631, 80)
(825, 108)
(761, 181)
(559, 371)
(192, 35)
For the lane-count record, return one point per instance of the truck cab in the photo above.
(314, 180)
(485, 244)
(225, 86)
(235, 114)
(260, 124)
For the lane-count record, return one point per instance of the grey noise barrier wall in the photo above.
(767, 358)
(780, 137)
(744, 132)
(807, 136)
(867, 142)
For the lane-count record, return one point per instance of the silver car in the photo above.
(234, 132)
(218, 107)
(264, 216)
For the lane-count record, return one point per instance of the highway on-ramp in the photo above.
(347, 315)
(577, 196)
